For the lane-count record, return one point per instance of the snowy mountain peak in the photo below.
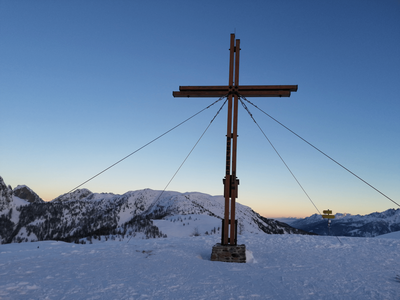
(75, 195)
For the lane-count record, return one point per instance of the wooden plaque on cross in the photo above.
(233, 91)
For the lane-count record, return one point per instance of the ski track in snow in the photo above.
(284, 267)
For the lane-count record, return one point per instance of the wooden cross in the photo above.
(233, 91)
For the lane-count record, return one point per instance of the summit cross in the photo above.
(233, 91)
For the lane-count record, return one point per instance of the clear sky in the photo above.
(85, 83)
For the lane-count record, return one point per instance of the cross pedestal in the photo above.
(232, 91)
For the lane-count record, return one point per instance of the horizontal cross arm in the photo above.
(244, 90)
(267, 93)
(201, 93)
(204, 88)
(290, 88)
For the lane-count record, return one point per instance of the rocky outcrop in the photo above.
(5, 195)
(25, 193)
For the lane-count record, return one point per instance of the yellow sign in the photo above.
(328, 212)
(328, 216)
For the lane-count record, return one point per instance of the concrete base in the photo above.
(229, 253)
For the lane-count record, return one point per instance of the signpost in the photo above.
(327, 214)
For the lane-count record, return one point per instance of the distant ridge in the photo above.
(370, 225)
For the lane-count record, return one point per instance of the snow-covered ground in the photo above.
(392, 235)
(189, 225)
(279, 267)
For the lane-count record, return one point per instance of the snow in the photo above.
(391, 235)
(18, 201)
(188, 225)
(278, 267)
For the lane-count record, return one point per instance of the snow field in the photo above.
(392, 235)
(284, 267)
(189, 225)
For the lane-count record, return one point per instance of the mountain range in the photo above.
(25, 217)
(370, 225)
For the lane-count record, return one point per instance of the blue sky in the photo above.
(85, 83)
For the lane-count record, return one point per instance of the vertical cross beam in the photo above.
(230, 180)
